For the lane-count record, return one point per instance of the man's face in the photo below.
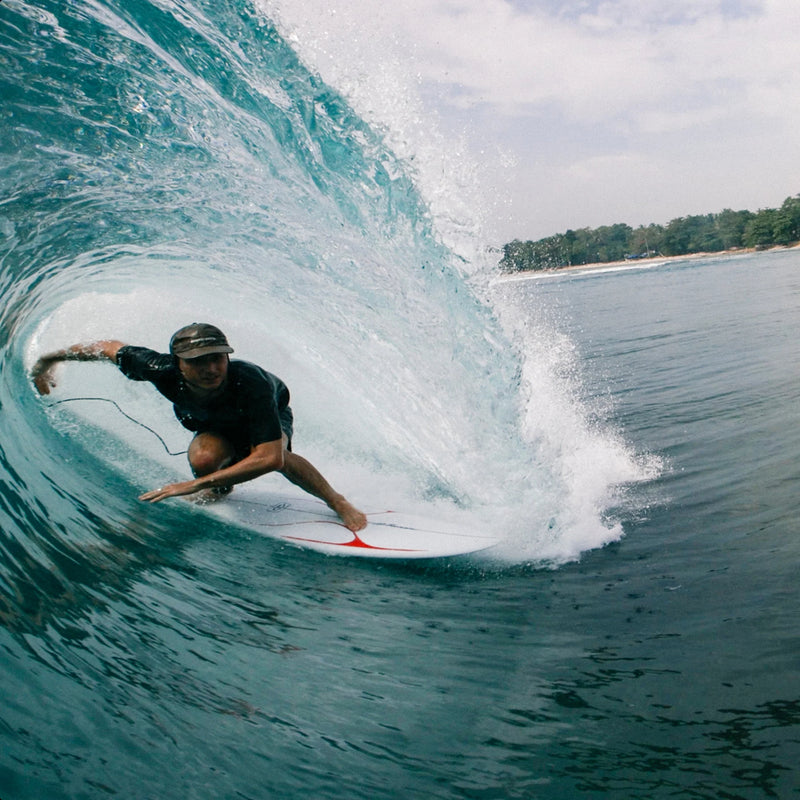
(206, 373)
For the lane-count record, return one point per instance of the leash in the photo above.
(124, 414)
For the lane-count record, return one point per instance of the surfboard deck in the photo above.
(309, 523)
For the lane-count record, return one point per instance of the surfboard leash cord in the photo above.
(124, 414)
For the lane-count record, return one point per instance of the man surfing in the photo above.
(239, 413)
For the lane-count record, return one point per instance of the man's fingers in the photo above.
(149, 497)
(43, 384)
(154, 496)
(173, 490)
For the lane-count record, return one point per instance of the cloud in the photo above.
(609, 63)
(623, 57)
(684, 87)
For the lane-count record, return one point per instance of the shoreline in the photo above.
(603, 266)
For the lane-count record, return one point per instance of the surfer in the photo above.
(239, 413)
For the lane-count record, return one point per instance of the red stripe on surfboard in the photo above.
(356, 542)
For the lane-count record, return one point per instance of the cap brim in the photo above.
(204, 351)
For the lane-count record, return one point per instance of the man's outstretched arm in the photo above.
(264, 458)
(43, 370)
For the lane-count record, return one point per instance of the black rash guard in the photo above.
(253, 407)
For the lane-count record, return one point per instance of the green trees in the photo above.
(706, 233)
(759, 231)
(786, 226)
(731, 225)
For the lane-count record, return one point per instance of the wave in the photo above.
(164, 162)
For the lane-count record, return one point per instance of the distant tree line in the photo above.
(707, 233)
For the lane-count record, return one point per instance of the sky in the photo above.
(545, 115)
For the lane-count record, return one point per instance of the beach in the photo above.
(641, 263)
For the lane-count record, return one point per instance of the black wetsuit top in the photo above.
(253, 407)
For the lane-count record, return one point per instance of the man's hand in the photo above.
(43, 374)
(171, 490)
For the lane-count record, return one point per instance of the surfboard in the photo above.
(309, 523)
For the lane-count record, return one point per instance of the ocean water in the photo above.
(629, 438)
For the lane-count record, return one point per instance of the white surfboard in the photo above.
(311, 524)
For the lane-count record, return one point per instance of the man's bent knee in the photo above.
(208, 453)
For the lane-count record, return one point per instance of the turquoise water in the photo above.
(629, 439)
